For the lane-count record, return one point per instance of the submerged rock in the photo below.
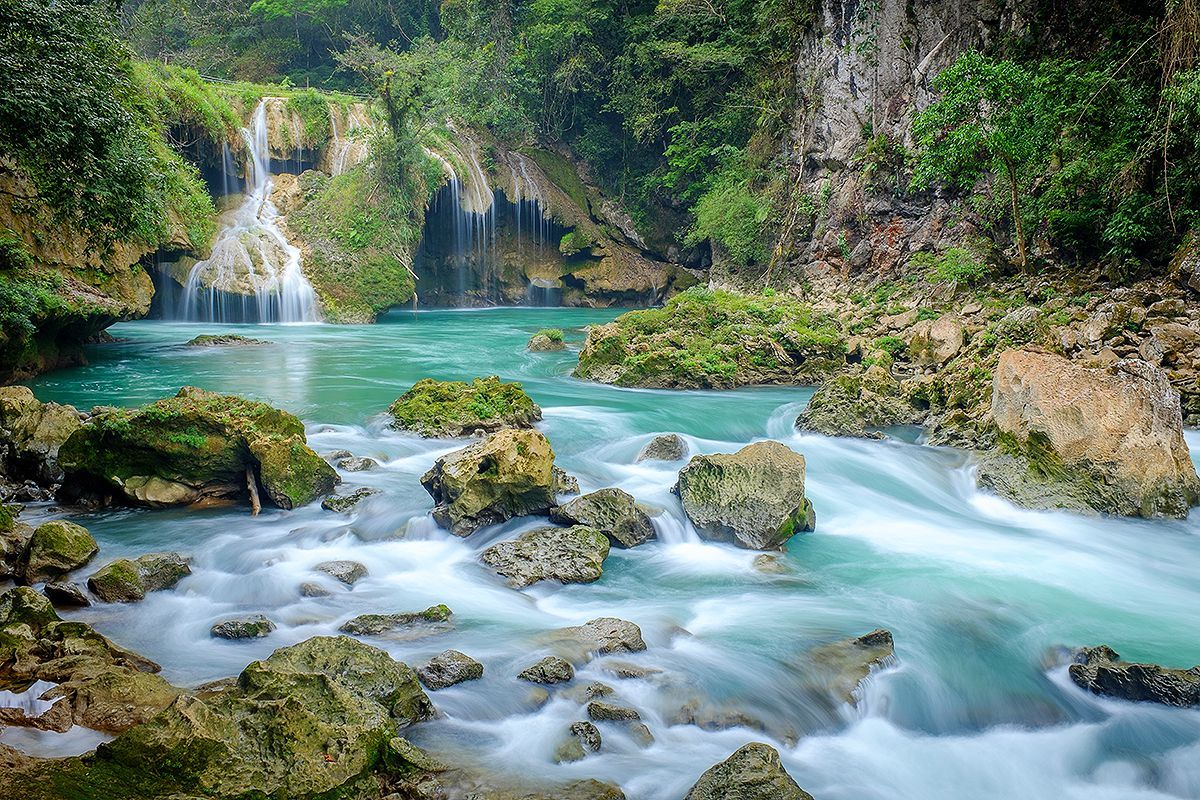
(103, 686)
(583, 738)
(127, 581)
(567, 555)
(449, 668)
(754, 497)
(664, 447)
(840, 667)
(343, 503)
(1100, 670)
(31, 435)
(411, 624)
(613, 512)
(224, 340)
(255, 626)
(348, 572)
(602, 636)
(753, 772)
(550, 669)
(190, 447)
(444, 409)
(1108, 439)
(56, 548)
(509, 474)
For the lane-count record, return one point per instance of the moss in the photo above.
(119, 581)
(313, 109)
(553, 334)
(57, 547)
(562, 173)
(717, 339)
(454, 408)
(292, 474)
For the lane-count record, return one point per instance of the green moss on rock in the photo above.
(454, 408)
(704, 338)
(56, 548)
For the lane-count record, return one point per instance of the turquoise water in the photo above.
(975, 591)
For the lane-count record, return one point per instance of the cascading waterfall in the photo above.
(254, 272)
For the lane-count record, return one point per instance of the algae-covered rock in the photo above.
(193, 446)
(602, 711)
(613, 512)
(1104, 439)
(448, 669)
(1100, 670)
(664, 447)
(357, 464)
(104, 686)
(129, 580)
(567, 555)
(404, 625)
(855, 403)
(56, 548)
(753, 772)
(344, 503)
(705, 338)
(31, 435)
(311, 721)
(255, 626)
(547, 340)
(509, 474)
(453, 408)
(224, 340)
(550, 669)
(754, 497)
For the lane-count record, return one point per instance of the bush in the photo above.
(953, 266)
(553, 334)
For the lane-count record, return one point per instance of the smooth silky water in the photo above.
(975, 590)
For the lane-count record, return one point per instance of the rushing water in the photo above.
(974, 590)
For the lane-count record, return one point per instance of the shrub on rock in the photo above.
(447, 409)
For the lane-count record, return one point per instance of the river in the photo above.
(974, 590)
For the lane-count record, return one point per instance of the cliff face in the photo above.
(862, 73)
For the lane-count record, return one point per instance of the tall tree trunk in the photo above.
(1016, 212)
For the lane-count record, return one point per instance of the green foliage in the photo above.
(731, 215)
(313, 109)
(952, 266)
(892, 345)
(452, 408)
(553, 334)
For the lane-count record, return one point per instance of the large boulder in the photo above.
(857, 403)
(509, 474)
(129, 580)
(454, 408)
(753, 772)
(56, 548)
(754, 497)
(194, 446)
(311, 721)
(567, 555)
(600, 636)
(1100, 670)
(1104, 439)
(448, 669)
(31, 434)
(99, 685)
(613, 512)
(664, 447)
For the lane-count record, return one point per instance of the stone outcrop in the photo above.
(600, 636)
(255, 626)
(348, 572)
(31, 434)
(1101, 671)
(838, 668)
(613, 512)
(753, 772)
(509, 474)
(546, 341)
(345, 503)
(56, 548)
(99, 685)
(566, 555)
(664, 447)
(447, 409)
(448, 669)
(550, 669)
(129, 580)
(857, 403)
(754, 497)
(194, 446)
(1105, 439)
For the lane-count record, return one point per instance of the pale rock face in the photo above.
(1108, 439)
(934, 342)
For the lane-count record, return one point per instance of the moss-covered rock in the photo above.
(224, 340)
(129, 580)
(56, 548)
(454, 408)
(509, 474)
(192, 446)
(448, 669)
(714, 339)
(31, 434)
(613, 512)
(566, 555)
(407, 625)
(754, 772)
(547, 340)
(856, 403)
(754, 497)
(255, 626)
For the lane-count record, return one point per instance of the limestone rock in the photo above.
(31, 434)
(344, 503)
(255, 626)
(1101, 671)
(357, 464)
(449, 668)
(405, 625)
(754, 497)
(1108, 439)
(753, 772)
(127, 581)
(564, 483)
(855, 403)
(664, 447)
(567, 555)
(840, 667)
(446, 409)
(193, 446)
(509, 474)
(224, 340)
(601, 711)
(56, 548)
(348, 572)
(934, 342)
(604, 635)
(613, 512)
(546, 341)
(550, 669)
(66, 595)
(583, 738)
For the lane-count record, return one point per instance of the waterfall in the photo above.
(253, 274)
